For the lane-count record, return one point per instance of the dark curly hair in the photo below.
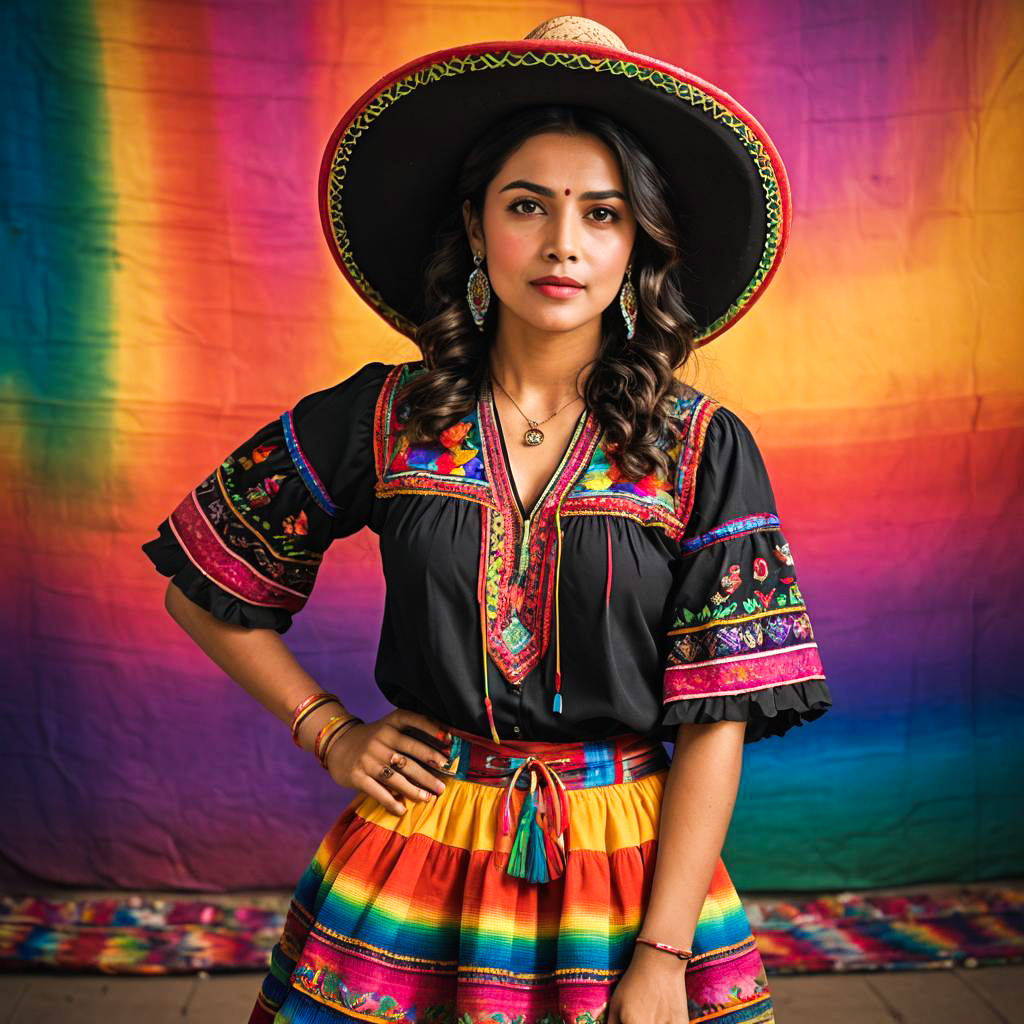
(632, 386)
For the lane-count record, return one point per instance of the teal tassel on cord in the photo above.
(527, 816)
(529, 856)
(536, 854)
(557, 706)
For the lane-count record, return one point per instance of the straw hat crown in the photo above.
(576, 30)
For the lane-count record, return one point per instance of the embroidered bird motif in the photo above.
(732, 581)
(260, 496)
(783, 554)
(259, 454)
(297, 525)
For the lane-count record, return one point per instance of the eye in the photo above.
(520, 202)
(612, 214)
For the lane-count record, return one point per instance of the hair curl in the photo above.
(632, 386)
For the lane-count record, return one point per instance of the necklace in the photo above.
(533, 434)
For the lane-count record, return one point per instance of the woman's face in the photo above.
(556, 208)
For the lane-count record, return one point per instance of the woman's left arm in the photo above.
(697, 805)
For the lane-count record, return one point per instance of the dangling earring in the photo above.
(478, 292)
(627, 303)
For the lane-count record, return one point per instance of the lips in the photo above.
(567, 282)
(557, 287)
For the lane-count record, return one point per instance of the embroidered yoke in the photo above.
(613, 606)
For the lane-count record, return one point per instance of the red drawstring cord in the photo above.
(608, 585)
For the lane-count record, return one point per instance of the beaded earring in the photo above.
(478, 292)
(627, 303)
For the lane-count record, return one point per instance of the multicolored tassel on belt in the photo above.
(538, 849)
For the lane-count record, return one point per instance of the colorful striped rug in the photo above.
(846, 932)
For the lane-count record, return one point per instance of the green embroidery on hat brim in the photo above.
(685, 91)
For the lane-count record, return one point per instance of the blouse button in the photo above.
(515, 728)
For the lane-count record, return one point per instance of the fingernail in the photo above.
(424, 794)
(449, 737)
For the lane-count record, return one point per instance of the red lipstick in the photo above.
(557, 287)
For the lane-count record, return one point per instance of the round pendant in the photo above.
(533, 436)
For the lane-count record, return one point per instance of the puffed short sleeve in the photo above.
(740, 642)
(247, 541)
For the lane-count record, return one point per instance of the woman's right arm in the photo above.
(262, 664)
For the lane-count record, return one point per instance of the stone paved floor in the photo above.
(985, 995)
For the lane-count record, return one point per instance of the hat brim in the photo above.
(389, 170)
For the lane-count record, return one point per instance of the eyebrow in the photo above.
(541, 190)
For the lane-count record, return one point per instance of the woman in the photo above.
(583, 556)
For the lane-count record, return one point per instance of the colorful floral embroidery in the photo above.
(326, 986)
(450, 465)
(518, 571)
(517, 556)
(226, 526)
(655, 499)
(746, 636)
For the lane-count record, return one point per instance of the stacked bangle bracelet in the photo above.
(336, 726)
(683, 954)
(304, 709)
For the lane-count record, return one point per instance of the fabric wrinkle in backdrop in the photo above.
(167, 290)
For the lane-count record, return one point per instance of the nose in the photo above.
(562, 244)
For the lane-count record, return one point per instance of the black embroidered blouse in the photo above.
(614, 606)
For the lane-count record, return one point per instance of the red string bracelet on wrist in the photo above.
(683, 954)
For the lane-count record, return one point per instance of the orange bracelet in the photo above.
(333, 724)
(334, 736)
(304, 709)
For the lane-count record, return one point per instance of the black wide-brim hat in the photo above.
(389, 171)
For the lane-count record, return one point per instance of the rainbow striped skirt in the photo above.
(512, 898)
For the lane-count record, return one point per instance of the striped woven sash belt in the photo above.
(535, 848)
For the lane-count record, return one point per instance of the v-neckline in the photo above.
(506, 467)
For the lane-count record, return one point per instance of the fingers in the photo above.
(409, 778)
(413, 770)
(406, 756)
(390, 790)
(400, 718)
(383, 796)
(423, 753)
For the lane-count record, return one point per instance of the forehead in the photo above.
(555, 158)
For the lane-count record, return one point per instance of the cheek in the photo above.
(507, 254)
(611, 267)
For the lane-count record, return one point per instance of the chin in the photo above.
(556, 324)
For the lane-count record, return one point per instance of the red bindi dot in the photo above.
(567, 191)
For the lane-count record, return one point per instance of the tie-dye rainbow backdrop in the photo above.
(167, 290)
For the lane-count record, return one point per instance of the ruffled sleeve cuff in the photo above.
(169, 558)
(247, 542)
(772, 711)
